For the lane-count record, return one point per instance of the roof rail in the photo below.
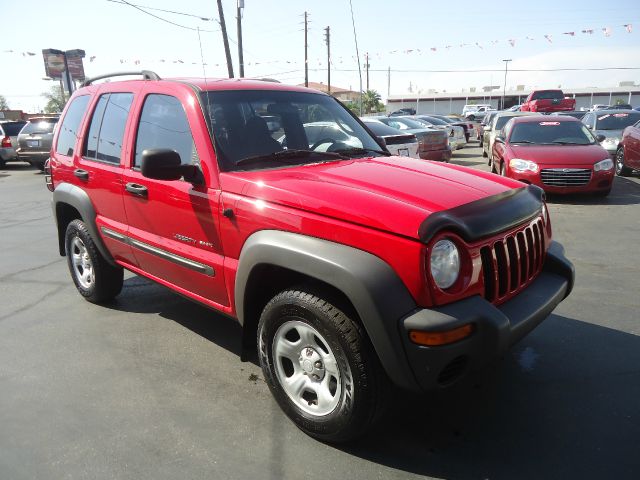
(146, 75)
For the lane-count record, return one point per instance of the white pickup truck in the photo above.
(476, 112)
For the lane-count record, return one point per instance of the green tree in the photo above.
(620, 101)
(55, 100)
(371, 102)
(3, 103)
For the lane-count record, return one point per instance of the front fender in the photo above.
(376, 292)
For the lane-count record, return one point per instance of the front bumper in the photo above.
(34, 158)
(600, 181)
(496, 328)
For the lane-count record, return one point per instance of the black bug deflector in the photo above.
(487, 216)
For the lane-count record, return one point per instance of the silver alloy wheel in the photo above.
(306, 368)
(82, 264)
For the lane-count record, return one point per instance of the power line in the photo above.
(166, 11)
(598, 69)
(137, 7)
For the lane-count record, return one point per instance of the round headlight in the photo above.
(445, 263)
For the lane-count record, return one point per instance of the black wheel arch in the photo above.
(272, 261)
(69, 203)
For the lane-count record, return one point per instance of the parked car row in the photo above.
(27, 141)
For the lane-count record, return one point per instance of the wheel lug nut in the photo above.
(318, 364)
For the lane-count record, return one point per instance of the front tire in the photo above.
(320, 366)
(95, 279)
(621, 169)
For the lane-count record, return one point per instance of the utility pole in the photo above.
(240, 55)
(504, 87)
(388, 82)
(328, 40)
(225, 39)
(366, 66)
(306, 57)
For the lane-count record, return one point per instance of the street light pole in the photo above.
(504, 87)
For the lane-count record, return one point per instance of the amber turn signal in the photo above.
(433, 339)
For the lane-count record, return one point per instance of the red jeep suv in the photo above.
(349, 269)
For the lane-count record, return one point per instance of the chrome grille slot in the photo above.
(565, 177)
(511, 263)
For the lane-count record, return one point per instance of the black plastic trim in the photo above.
(158, 252)
(372, 286)
(76, 197)
(487, 216)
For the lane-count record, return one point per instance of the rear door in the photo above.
(99, 166)
(174, 225)
(632, 152)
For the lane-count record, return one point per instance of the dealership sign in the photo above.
(54, 63)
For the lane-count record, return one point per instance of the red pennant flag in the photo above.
(629, 27)
(549, 38)
(512, 42)
(569, 33)
(607, 31)
(588, 31)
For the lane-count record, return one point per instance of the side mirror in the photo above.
(499, 139)
(381, 141)
(589, 126)
(165, 164)
(600, 138)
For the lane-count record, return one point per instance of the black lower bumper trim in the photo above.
(496, 327)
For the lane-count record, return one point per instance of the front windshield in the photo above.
(255, 129)
(551, 132)
(616, 121)
(502, 121)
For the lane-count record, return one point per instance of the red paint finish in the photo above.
(373, 204)
(554, 161)
(539, 101)
(630, 143)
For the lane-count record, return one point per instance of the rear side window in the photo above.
(69, 127)
(164, 124)
(104, 141)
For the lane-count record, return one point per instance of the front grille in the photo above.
(511, 263)
(565, 177)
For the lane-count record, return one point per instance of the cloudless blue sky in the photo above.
(118, 36)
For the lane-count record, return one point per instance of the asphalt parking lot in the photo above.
(152, 386)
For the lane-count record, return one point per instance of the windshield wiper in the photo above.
(285, 156)
(560, 142)
(360, 151)
(521, 141)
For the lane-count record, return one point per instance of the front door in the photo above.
(174, 225)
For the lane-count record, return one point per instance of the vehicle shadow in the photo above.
(563, 404)
(140, 295)
(625, 191)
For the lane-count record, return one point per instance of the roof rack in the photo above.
(146, 75)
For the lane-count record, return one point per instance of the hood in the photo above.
(560, 154)
(393, 194)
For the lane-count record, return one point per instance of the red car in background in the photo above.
(628, 153)
(558, 154)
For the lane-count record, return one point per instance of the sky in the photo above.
(411, 38)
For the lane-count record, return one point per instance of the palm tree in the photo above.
(371, 101)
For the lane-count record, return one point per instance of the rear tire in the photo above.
(621, 169)
(503, 171)
(320, 366)
(95, 278)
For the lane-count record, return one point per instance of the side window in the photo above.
(164, 124)
(69, 127)
(104, 141)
